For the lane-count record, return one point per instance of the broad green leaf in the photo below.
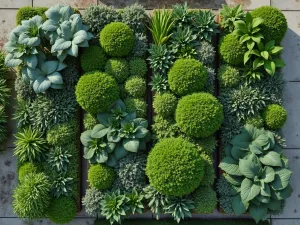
(276, 49)
(270, 67)
(265, 190)
(268, 174)
(101, 157)
(120, 152)
(10, 61)
(249, 190)
(131, 145)
(141, 132)
(49, 67)
(247, 56)
(86, 138)
(263, 199)
(241, 25)
(250, 166)
(265, 55)
(261, 140)
(80, 37)
(257, 37)
(103, 118)
(275, 204)
(112, 162)
(250, 44)
(282, 194)
(271, 159)
(257, 21)
(282, 178)
(258, 212)
(89, 153)
(234, 180)
(238, 153)
(255, 148)
(230, 166)
(140, 122)
(73, 51)
(238, 206)
(269, 46)
(244, 38)
(99, 131)
(279, 63)
(31, 61)
(55, 78)
(41, 84)
(60, 44)
(110, 147)
(258, 62)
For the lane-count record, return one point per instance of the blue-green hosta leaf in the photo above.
(79, 37)
(49, 67)
(239, 207)
(89, 153)
(60, 44)
(86, 138)
(73, 51)
(10, 61)
(141, 132)
(112, 136)
(265, 190)
(131, 145)
(258, 212)
(99, 131)
(53, 13)
(282, 194)
(76, 23)
(61, 66)
(255, 148)
(238, 153)
(261, 140)
(66, 12)
(19, 30)
(250, 166)
(31, 61)
(55, 78)
(61, 55)
(228, 150)
(31, 74)
(282, 178)
(66, 33)
(230, 166)
(112, 162)
(120, 152)
(50, 25)
(279, 63)
(271, 159)
(142, 144)
(249, 190)
(140, 122)
(25, 39)
(101, 157)
(10, 46)
(103, 118)
(56, 86)
(234, 180)
(268, 174)
(41, 84)
(110, 147)
(263, 199)
(84, 44)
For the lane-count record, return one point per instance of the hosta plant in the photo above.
(159, 83)
(257, 171)
(229, 15)
(61, 185)
(135, 201)
(58, 159)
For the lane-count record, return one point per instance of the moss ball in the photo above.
(137, 67)
(89, 121)
(229, 77)
(137, 105)
(165, 104)
(117, 39)
(205, 200)
(187, 76)
(118, 68)
(135, 87)
(231, 50)
(101, 176)
(275, 24)
(174, 167)
(93, 58)
(25, 169)
(256, 121)
(199, 115)
(96, 92)
(274, 116)
(62, 210)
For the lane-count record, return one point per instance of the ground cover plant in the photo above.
(256, 174)
(44, 47)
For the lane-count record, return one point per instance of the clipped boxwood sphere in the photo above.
(101, 176)
(138, 67)
(187, 76)
(118, 68)
(174, 167)
(205, 200)
(231, 50)
(26, 169)
(274, 26)
(137, 105)
(229, 76)
(117, 39)
(62, 210)
(93, 58)
(165, 104)
(199, 115)
(135, 87)
(274, 116)
(96, 92)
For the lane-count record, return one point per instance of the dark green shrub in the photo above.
(195, 122)
(97, 92)
(205, 200)
(137, 105)
(274, 116)
(26, 169)
(89, 121)
(28, 12)
(62, 210)
(164, 127)
(209, 171)
(137, 67)
(231, 50)
(135, 17)
(187, 76)
(117, 39)
(274, 26)
(174, 167)
(206, 53)
(229, 77)
(101, 176)
(165, 104)
(140, 45)
(24, 91)
(3, 67)
(93, 58)
(3, 125)
(118, 68)
(135, 87)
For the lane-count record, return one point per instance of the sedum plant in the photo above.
(58, 159)
(229, 15)
(258, 172)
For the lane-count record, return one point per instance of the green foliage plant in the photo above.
(135, 201)
(257, 121)
(61, 185)
(135, 87)
(89, 121)
(137, 67)
(62, 210)
(135, 17)
(101, 176)
(91, 200)
(229, 77)
(93, 58)
(26, 169)
(165, 104)
(206, 53)
(159, 83)
(274, 116)
(27, 12)
(164, 128)
(205, 200)
(59, 159)
(229, 15)
(62, 133)
(181, 14)
(137, 105)
(118, 68)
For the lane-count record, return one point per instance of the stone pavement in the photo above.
(291, 56)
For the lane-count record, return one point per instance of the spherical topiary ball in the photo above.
(118, 68)
(187, 76)
(274, 116)
(135, 87)
(165, 104)
(205, 200)
(231, 50)
(96, 92)
(117, 39)
(229, 76)
(137, 105)
(174, 167)
(256, 121)
(26, 169)
(62, 210)
(138, 67)
(101, 176)
(199, 115)
(274, 25)
(93, 58)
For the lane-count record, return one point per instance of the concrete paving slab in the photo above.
(17, 221)
(286, 5)
(14, 3)
(74, 3)
(285, 221)
(291, 44)
(291, 129)
(7, 23)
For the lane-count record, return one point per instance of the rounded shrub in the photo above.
(205, 200)
(62, 210)
(209, 171)
(118, 68)
(187, 76)
(229, 77)
(174, 167)
(101, 176)
(199, 115)
(137, 105)
(275, 24)
(165, 104)
(89, 121)
(136, 87)
(117, 39)
(256, 121)
(137, 67)
(274, 116)
(231, 50)
(96, 92)
(25, 169)
(93, 58)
